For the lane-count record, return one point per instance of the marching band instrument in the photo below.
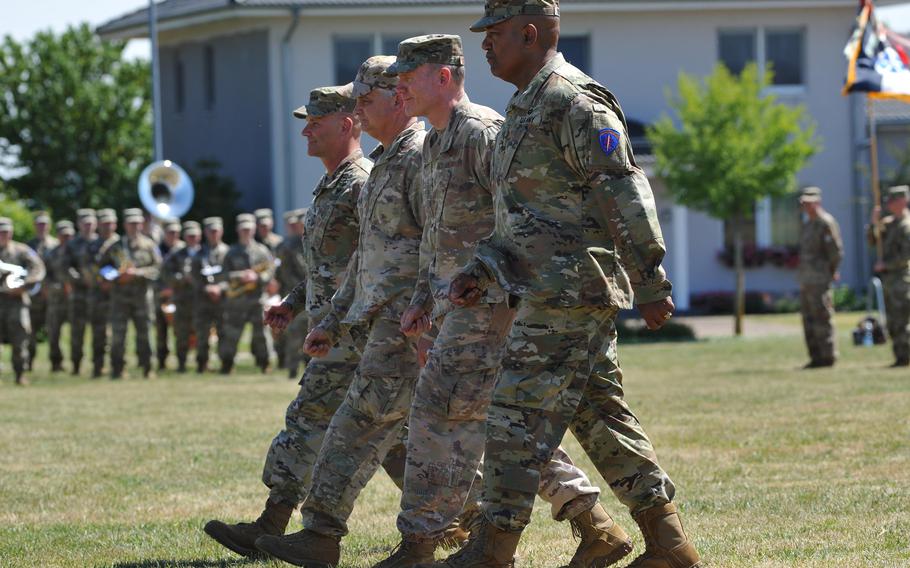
(166, 191)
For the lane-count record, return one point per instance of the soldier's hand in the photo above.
(656, 314)
(879, 267)
(249, 276)
(105, 286)
(68, 288)
(423, 349)
(167, 293)
(214, 292)
(317, 343)
(465, 290)
(414, 321)
(127, 276)
(272, 287)
(278, 317)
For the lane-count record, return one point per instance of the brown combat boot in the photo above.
(489, 547)
(241, 538)
(603, 542)
(408, 554)
(666, 543)
(305, 548)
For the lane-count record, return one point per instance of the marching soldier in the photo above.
(130, 265)
(21, 270)
(177, 277)
(169, 243)
(81, 279)
(101, 295)
(894, 270)
(248, 268)
(291, 271)
(208, 303)
(42, 243)
(820, 254)
(56, 285)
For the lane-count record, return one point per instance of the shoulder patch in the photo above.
(609, 140)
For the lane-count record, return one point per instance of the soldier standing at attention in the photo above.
(208, 304)
(894, 270)
(265, 222)
(576, 234)
(333, 135)
(42, 243)
(137, 261)
(820, 254)
(14, 298)
(248, 268)
(55, 282)
(101, 295)
(177, 277)
(291, 271)
(169, 244)
(81, 280)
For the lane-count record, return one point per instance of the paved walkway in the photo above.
(707, 327)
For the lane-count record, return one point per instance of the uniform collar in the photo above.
(523, 100)
(455, 120)
(328, 180)
(380, 154)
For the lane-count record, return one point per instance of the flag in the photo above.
(877, 59)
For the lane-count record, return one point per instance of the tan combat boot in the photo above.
(489, 547)
(666, 543)
(408, 554)
(603, 542)
(305, 548)
(241, 538)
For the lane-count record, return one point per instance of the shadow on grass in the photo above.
(160, 563)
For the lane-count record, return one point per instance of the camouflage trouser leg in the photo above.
(56, 315)
(183, 330)
(280, 344)
(288, 470)
(101, 311)
(124, 309)
(447, 428)
(79, 316)
(15, 327)
(236, 315)
(293, 346)
(560, 370)
(38, 317)
(206, 317)
(817, 307)
(897, 311)
(365, 427)
(161, 334)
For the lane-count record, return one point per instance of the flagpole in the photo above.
(876, 181)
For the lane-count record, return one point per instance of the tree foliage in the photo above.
(75, 120)
(732, 143)
(18, 212)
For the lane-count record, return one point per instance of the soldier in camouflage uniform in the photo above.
(101, 295)
(137, 263)
(576, 234)
(820, 254)
(378, 282)
(248, 268)
(55, 285)
(177, 277)
(14, 296)
(265, 222)
(290, 272)
(170, 243)
(42, 243)
(81, 281)
(332, 225)
(208, 302)
(894, 270)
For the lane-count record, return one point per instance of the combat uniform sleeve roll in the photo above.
(596, 143)
(834, 247)
(34, 266)
(296, 298)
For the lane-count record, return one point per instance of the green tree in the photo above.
(75, 119)
(731, 144)
(23, 220)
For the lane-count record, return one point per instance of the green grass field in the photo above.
(775, 467)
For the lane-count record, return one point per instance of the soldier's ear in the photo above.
(529, 35)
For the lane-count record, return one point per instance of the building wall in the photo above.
(235, 129)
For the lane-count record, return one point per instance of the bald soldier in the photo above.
(55, 281)
(820, 254)
(894, 269)
(42, 243)
(20, 271)
(576, 235)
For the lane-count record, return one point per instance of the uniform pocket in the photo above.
(472, 370)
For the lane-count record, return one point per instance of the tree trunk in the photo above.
(739, 301)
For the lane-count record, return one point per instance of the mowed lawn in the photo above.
(775, 467)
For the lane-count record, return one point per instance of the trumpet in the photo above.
(14, 278)
(238, 288)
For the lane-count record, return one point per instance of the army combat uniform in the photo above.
(177, 274)
(895, 278)
(820, 254)
(81, 281)
(290, 272)
(162, 323)
(208, 313)
(38, 310)
(15, 325)
(100, 296)
(55, 287)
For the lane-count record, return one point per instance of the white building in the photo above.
(232, 71)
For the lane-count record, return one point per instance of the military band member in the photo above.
(177, 278)
(55, 284)
(208, 294)
(291, 271)
(265, 222)
(100, 295)
(169, 243)
(42, 243)
(81, 280)
(894, 270)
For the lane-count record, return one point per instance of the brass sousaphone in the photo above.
(166, 191)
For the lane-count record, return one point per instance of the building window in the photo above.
(390, 43)
(209, 62)
(782, 49)
(736, 49)
(749, 233)
(785, 221)
(350, 52)
(577, 51)
(179, 87)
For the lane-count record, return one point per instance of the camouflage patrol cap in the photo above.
(810, 194)
(85, 213)
(192, 228)
(133, 215)
(496, 11)
(65, 227)
(213, 223)
(42, 217)
(172, 227)
(245, 221)
(327, 100)
(372, 75)
(300, 215)
(264, 213)
(107, 215)
(899, 191)
(6, 224)
(435, 48)
(290, 216)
